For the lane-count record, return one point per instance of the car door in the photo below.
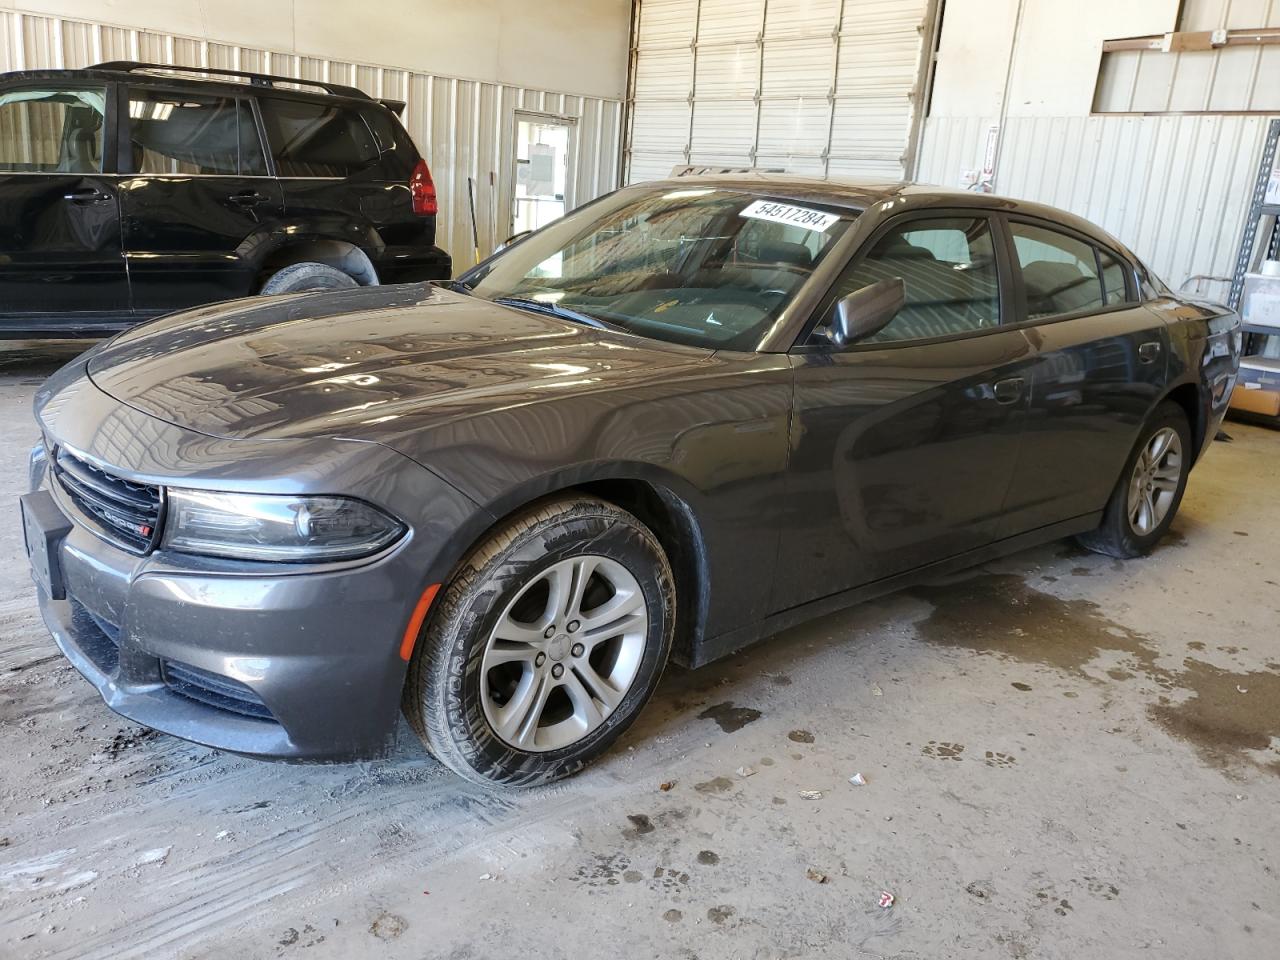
(903, 445)
(1100, 365)
(59, 207)
(199, 207)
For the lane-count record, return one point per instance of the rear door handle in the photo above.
(1009, 390)
(86, 195)
(1148, 352)
(247, 199)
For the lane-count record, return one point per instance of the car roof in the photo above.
(861, 194)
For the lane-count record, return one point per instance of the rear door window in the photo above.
(310, 139)
(1059, 272)
(192, 134)
(52, 131)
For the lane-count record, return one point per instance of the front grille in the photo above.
(124, 512)
(214, 690)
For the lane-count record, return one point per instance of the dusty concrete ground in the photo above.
(1065, 756)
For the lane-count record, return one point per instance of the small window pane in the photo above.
(949, 269)
(1113, 277)
(317, 139)
(1059, 272)
(181, 133)
(52, 131)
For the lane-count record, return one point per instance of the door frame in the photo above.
(571, 161)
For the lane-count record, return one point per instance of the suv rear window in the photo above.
(190, 133)
(317, 139)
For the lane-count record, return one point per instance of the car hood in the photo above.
(371, 363)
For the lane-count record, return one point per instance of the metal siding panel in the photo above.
(801, 18)
(669, 23)
(728, 72)
(723, 128)
(663, 74)
(722, 21)
(794, 128)
(798, 68)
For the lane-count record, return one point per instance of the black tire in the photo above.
(307, 276)
(443, 693)
(1116, 536)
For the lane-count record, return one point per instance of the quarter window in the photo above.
(317, 139)
(1059, 273)
(52, 131)
(1113, 277)
(192, 134)
(948, 266)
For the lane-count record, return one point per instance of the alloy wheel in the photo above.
(1154, 482)
(564, 653)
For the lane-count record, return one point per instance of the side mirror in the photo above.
(867, 311)
(514, 238)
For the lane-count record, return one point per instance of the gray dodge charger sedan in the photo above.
(682, 418)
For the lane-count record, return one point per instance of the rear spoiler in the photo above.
(395, 106)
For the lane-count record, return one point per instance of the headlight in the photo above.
(296, 529)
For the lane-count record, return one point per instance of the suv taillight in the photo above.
(423, 191)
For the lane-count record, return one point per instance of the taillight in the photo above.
(423, 191)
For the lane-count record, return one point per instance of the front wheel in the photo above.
(1149, 492)
(545, 646)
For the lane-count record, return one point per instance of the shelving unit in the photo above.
(1258, 389)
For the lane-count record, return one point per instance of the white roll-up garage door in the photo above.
(809, 86)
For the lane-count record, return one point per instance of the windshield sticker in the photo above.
(803, 217)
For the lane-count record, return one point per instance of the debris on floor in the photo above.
(810, 794)
(858, 780)
(666, 785)
(817, 876)
(745, 771)
(886, 899)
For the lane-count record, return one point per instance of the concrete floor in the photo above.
(1065, 756)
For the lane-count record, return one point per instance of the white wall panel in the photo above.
(463, 127)
(1174, 188)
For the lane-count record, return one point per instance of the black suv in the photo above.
(129, 190)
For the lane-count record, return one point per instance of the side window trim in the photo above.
(1004, 289)
(347, 106)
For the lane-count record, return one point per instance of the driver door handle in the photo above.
(86, 195)
(248, 198)
(1008, 390)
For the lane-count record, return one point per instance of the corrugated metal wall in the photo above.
(1232, 78)
(811, 86)
(1173, 188)
(465, 128)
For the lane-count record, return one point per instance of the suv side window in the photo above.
(1060, 273)
(192, 134)
(311, 139)
(948, 265)
(52, 131)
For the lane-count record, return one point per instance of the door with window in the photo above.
(904, 444)
(196, 201)
(1100, 365)
(543, 185)
(59, 210)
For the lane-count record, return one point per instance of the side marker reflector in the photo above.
(415, 622)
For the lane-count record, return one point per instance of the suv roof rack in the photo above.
(255, 79)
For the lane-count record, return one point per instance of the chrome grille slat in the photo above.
(119, 510)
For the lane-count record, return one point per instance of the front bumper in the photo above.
(263, 659)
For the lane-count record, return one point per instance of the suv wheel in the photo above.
(546, 645)
(307, 276)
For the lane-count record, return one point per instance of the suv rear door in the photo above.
(200, 206)
(59, 213)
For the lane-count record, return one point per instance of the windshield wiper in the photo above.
(555, 310)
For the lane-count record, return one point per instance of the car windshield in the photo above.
(704, 267)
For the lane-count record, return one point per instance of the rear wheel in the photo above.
(546, 645)
(298, 277)
(1150, 489)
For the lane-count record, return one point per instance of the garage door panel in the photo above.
(725, 72)
(826, 84)
(801, 18)
(721, 21)
(802, 67)
(799, 126)
(805, 166)
(668, 23)
(724, 126)
(646, 166)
